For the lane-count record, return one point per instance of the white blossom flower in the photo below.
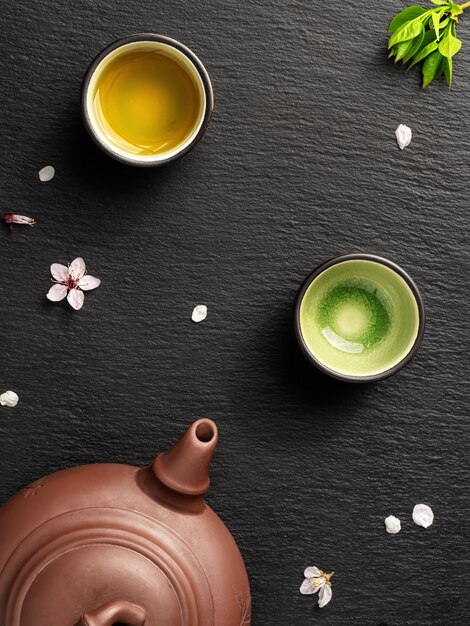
(199, 313)
(392, 524)
(46, 174)
(403, 134)
(9, 398)
(317, 580)
(71, 281)
(423, 515)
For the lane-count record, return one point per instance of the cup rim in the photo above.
(135, 38)
(359, 256)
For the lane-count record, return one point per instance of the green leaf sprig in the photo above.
(429, 36)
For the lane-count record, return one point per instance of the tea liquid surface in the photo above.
(149, 100)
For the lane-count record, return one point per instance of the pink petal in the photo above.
(325, 596)
(76, 298)
(57, 292)
(308, 587)
(88, 282)
(59, 272)
(77, 268)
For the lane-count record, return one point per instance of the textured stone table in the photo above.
(300, 163)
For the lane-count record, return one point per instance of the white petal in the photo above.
(403, 134)
(46, 173)
(56, 293)
(199, 313)
(9, 398)
(324, 596)
(88, 282)
(308, 587)
(59, 272)
(76, 298)
(392, 524)
(312, 572)
(77, 268)
(423, 515)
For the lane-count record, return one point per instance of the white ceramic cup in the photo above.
(99, 130)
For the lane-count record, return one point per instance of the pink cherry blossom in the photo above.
(12, 218)
(71, 281)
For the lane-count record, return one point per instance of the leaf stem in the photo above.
(464, 6)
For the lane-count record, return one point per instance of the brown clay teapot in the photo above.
(101, 545)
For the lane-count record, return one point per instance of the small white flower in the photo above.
(9, 398)
(403, 134)
(317, 580)
(199, 313)
(71, 282)
(392, 524)
(46, 173)
(423, 515)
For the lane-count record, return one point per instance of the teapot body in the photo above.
(100, 544)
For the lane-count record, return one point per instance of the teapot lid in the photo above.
(101, 567)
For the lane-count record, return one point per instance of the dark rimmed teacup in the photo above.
(115, 143)
(359, 317)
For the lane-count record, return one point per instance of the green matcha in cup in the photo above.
(359, 317)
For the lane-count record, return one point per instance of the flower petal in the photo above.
(77, 268)
(76, 298)
(308, 587)
(9, 398)
(312, 572)
(403, 134)
(59, 272)
(46, 173)
(88, 282)
(423, 515)
(57, 292)
(324, 596)
(392, 524)
(199, 313)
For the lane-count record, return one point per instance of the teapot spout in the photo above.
(184, 468)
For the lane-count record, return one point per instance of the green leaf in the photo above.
(440, 69)
(455, 9)
(449, 46)
(438, 1)
(417, 43)
(403, 48)
(424, 53)
(430, 67)
(435, 21)
(447, 69)
(405, 16)
(408, 31)
(444, 23)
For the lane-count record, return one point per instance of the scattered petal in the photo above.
(59, 272)
(46, 173)
(13, 218)
(308, 587)
(9, 398)
(57, 293)
(312, 572)
(392, 524)
(199, 313)
(76, 298)
(77, 268)
(88, 282)
(423, 515)
(403, 134)
(324, 596)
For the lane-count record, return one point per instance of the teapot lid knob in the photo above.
(185, 467)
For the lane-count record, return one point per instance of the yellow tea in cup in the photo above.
(147, 101)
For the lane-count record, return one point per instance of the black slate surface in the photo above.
(299, 164)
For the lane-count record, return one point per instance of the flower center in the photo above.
(71, 283)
